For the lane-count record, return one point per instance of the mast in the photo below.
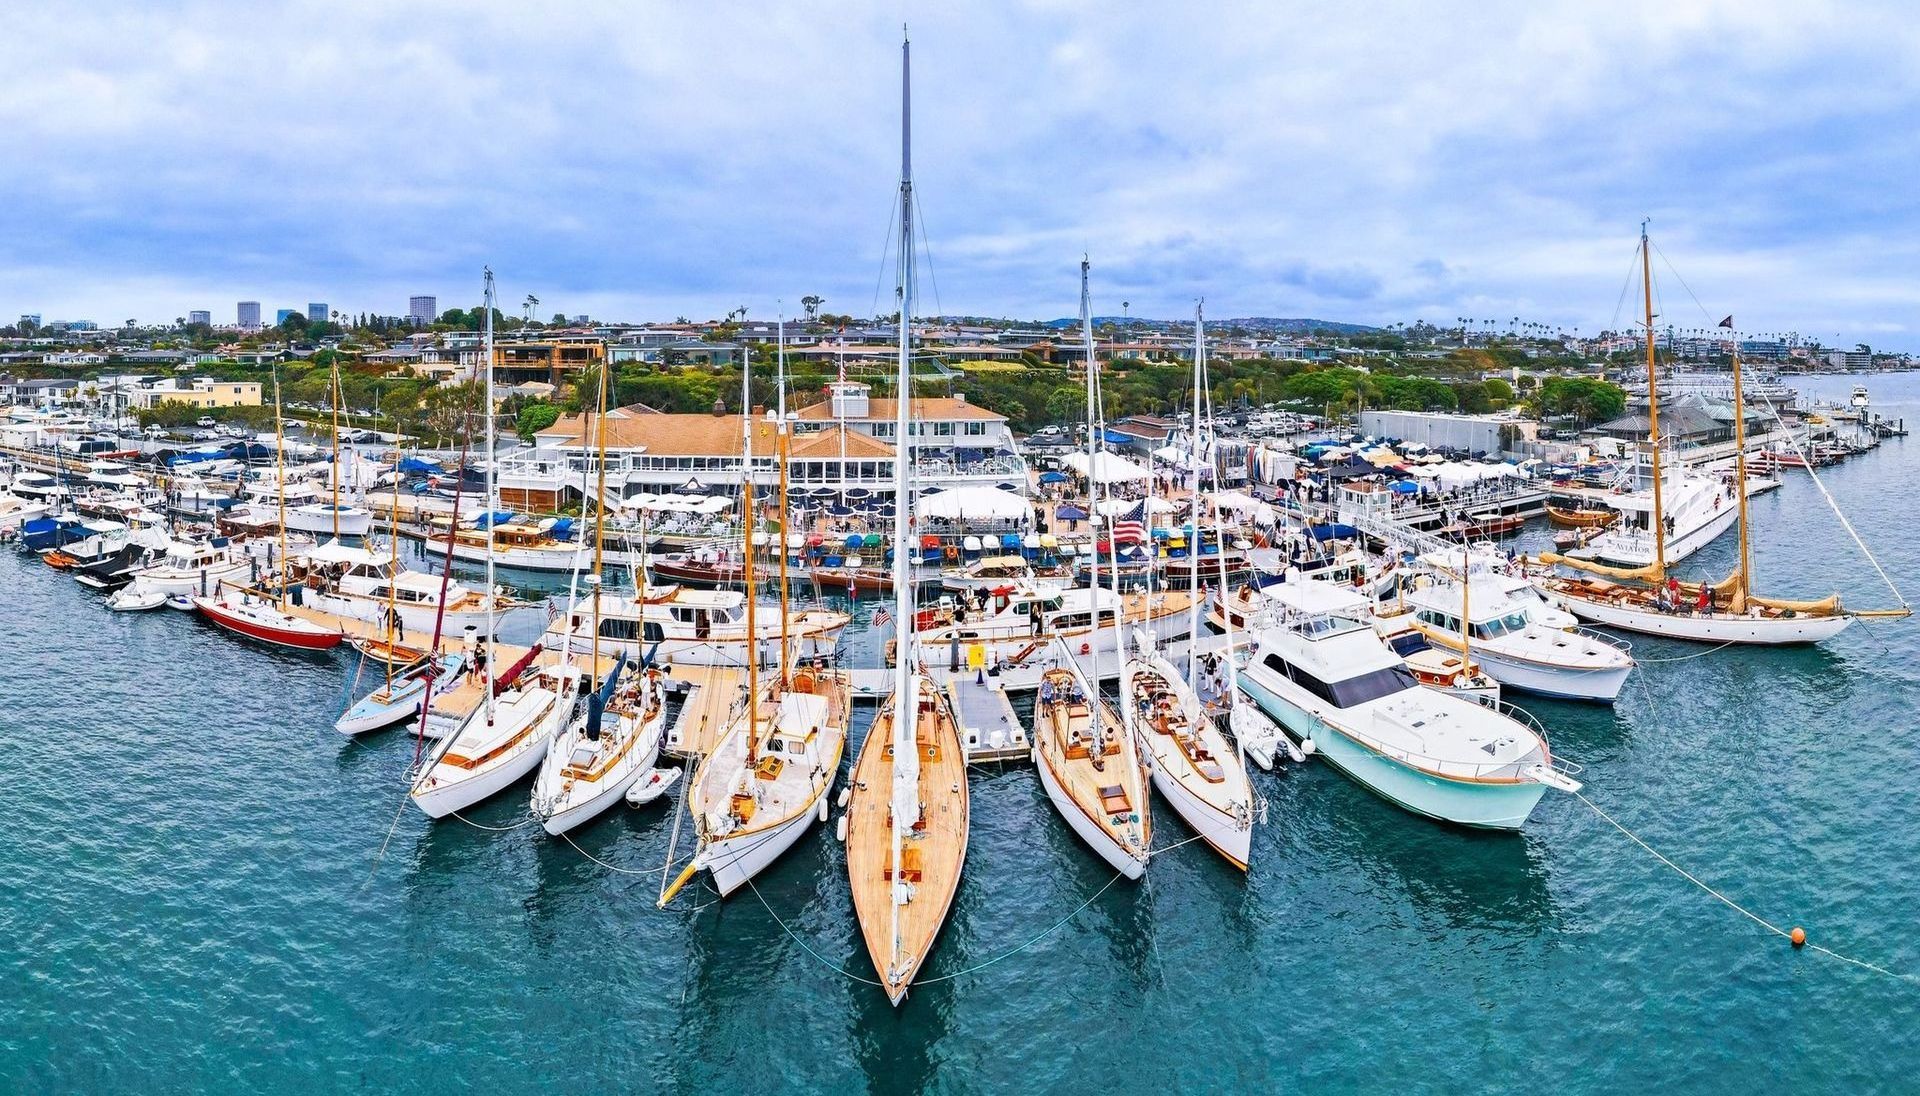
(280, 480)
(1740, 479)
(493, 506)
(1093, 480)
(746, 544)
(1193, 461)
(599, 517)
(393, 575)
(906, 702)
(783, 436)
(335, 394)
(1653, 414)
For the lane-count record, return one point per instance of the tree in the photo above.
(812, 302)
(446, 411)
(559, 319)
(295, 323)
(1498, 389)
(1587, 399)
(535, 417)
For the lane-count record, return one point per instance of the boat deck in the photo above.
(714, 694)
(932, 855)
(1096, 780)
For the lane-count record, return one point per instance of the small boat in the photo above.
(400, 699)
(1478, 526)
(387, 650)
(256, 618)
(130, 600)
(707, 567)
(182, 602)
(652, 786)
(603, 749)
(854, 580)
(1581, 517)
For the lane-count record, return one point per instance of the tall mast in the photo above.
(746, 545)
(1740, 479)
(393, 577)
(492, 504)
(783, 438)
(599, 515)
(1653, 413)
(335, 395)
(1193, 461)
(1093, 479)
(280, 479)
(906, 704)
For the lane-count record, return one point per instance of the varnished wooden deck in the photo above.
(932, 856)
(1057, 728)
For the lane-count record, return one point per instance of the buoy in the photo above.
(1798, 936)
(1086, 648)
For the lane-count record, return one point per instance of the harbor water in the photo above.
(208, 888)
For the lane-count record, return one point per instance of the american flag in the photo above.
(1131, 527)
(880, 618)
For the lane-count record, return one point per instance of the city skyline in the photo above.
(1484, 165)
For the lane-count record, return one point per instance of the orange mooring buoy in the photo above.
(1798, 936)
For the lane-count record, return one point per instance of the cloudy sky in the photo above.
(1370, 162)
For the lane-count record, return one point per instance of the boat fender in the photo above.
(840, 831)
(823, 808)
(1306, 746)
(846, 794)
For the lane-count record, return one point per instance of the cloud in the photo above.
(1361, 162)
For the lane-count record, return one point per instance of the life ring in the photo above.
(1086, 648)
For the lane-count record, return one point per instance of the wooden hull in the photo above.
(1581, 519)
(933, 855)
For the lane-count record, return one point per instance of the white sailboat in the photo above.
(1088, 757)
(768, 777)
(504, 737)
(907, 809)
(1196, 768)
(1647, 600)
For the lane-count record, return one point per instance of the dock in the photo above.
(713, 695)
(989, 729)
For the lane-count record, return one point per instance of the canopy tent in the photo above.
(1115, 507)
(1050, 478)
(976, 504)
(1108, 468)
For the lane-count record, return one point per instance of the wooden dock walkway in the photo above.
(714, 696)
(989, 729)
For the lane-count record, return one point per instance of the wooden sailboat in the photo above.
(1088, 757)
(907, 811)
(1647, 600)
(768, 777)
(241, 611)
(604, 747)
(1196, 768)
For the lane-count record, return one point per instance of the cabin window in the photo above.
(618, 628)
(1354, 691)
(1515, 622)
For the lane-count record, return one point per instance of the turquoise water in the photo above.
(196, 896)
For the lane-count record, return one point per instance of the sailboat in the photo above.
(504, 736)
(341, 519)
(1088, 757)
(1195, 767)
(1646, 600)
(768, 777)
(907, 811)
(244, 613)
(602, 749)
(422, 674)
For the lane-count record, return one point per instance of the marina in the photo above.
(1156, 689)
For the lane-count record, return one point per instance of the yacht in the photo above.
(363, 585)
(1092, 770)
(190, 567)
(498, 745)
(1519, 637)
(1195, 766)
(697, 627)
(604, 748)
(1330, 679)
(1698, 509)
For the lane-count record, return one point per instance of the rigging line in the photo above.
(926, 249)
(1685, 658)
(382, 854)
(1626, 285)
(1832, 504)
(886, 249)
(1043, 934)
(1730, 903)
(1708, 316)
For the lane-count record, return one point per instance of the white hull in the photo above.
(1229, 836)
(403, 707)
(638, 763)
(201, 582)
(440, 792)
(417, 619)
(319, 518)
(734, 860)
(1715, 628)
(1613, 549)
(1097, 838)
(555, 561)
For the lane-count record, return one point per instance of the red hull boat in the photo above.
(260, 620)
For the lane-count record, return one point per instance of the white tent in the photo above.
(974, 504)
(1113, 507)
(1110, 469)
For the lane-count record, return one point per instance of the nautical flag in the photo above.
(880, 618)
(1131, 527)
(1726, 323)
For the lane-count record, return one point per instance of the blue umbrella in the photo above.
(1053, 477)
(1404, 487)
(1070, 512)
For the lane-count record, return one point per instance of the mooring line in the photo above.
(1742, 910)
